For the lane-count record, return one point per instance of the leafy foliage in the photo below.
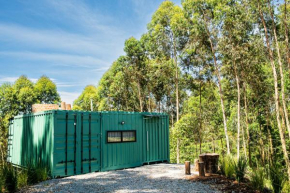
(240, 168)
(257, 178)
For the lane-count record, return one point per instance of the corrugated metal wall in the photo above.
(156, 137)
(30, 139)
(121, 155)
(75, 142)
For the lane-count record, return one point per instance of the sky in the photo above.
(73, 42)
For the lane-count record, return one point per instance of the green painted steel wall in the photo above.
(126, 154)
(75, 142)
(30, 139)
(156, 137)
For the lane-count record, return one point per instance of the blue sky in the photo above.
(72, 42)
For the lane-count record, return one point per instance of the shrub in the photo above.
(240, 167)
(36, 173)
(276, 177)
(9, 175)
(226, 166)
(222, 165)
(229, 167)
(257, 178)
(286, 187)
(22, 179)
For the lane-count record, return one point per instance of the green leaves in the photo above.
(45, 91)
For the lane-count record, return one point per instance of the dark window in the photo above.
(129, 136)
(114, 136)
(121, 136)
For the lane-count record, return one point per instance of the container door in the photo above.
(151, 128)
(90, 142)
(76, 143)
(156, 139)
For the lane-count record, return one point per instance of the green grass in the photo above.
(240, 168)
(227, 166)
(258, 178)
(277, 178)
(13, 179)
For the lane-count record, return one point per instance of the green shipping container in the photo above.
(77, 142)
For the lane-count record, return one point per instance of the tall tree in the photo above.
(45, 91)
(272, 62)
(206, 15)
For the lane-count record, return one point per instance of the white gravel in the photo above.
(148, 178)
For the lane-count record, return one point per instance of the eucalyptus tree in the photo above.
(137, 64)
(164, 30)
(234, 46)
(45, 91)
(207, 17)
(262, 8)
(24, 91)
(88, 96)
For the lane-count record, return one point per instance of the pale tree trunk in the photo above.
(247, 124)
(276, 98)
(178, 151)
(244, 143)
(261, 144)
(239, 108)
(140, 96)
(200, 113)
(271, 152)
(177, 100)
(219, 86)
(286, 36)
(281, 72)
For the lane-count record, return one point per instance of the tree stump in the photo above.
(187, 167)
(210, 162)
(196, 165)
(201, 169)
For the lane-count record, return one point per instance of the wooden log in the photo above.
(187, 167)
(196, 165)
(201, 169)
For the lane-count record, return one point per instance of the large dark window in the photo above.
(121, 136)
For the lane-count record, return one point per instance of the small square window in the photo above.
(114, 136)
(129, 136)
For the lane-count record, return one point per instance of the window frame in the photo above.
(134, 131)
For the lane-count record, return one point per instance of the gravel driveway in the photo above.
(148, 178)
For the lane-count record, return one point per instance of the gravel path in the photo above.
(149, 178)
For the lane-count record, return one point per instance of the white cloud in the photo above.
(59, 59)
(52, 39)
(13, 79)
(68, 97)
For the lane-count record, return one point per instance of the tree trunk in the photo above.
(286, 36)
(281, 72)
(276, 98)
(177, 95)
(247, 124)
(239, 107)
(140, 96)
(271, 152)
(219, 86)
(178, 151)
(200, 117)
(261, 144)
